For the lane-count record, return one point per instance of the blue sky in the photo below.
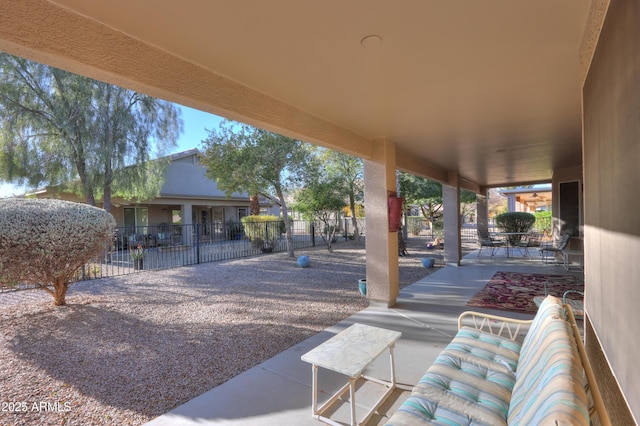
(194, 124)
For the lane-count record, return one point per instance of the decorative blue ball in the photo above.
(428, 262)
(303, 261)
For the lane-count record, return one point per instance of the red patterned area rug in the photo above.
(514, 291)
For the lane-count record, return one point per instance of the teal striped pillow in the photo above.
(549, 386)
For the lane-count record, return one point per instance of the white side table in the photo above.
(350, 352)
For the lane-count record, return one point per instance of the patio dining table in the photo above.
(507, 238)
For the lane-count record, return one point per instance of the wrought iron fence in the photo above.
(170, 246)
(419, 226)
(146, 248)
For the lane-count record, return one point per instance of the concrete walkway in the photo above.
(278, 391)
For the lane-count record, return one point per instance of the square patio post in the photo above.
(482, 207)
(381, 245)
(451, 207)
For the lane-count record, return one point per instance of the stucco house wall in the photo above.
(187, 189)
(611, 99)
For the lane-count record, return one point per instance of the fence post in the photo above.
(197, 243)
(313, 234)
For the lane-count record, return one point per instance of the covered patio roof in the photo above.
(490, 91)
(472, 94)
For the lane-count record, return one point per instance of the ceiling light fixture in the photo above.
(371, 41)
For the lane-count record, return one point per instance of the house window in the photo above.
(570, 207)
(217, 214)
(176, 217)
(136, 217)
(242, 212)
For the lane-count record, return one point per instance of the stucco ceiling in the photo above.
(489, 89)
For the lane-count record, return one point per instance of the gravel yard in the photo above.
(125, 350)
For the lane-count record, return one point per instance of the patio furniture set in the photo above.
(496, 370)
(508, 241)
(523, 241)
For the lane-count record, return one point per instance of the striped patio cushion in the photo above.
(549, 385)
(486, 349)
(475, 381)
(464, 386)
(417, 410)
(576, 305)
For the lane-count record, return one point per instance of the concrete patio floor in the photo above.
(278, 391)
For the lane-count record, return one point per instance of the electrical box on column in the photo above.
(395, 212)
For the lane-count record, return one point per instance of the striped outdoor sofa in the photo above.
(500, 371)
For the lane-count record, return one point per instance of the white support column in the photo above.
(451, 206)
(381, 245)
(511, 203)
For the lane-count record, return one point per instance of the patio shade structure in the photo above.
(472, 94)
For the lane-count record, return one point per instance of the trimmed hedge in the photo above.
(515, 222)
(45, 242)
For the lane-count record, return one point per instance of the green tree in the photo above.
(347, 171)
(427, 194)
(70, 132)
(45, 242)
(322, 201)
(242, 158)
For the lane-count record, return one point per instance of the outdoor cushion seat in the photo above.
(485, 349)
(470, 382)
(474, 382)
(550, 385)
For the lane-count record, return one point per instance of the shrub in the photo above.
(263, 231)
(234, 230)
(45, 242)
(543, 222)
(515, 222)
